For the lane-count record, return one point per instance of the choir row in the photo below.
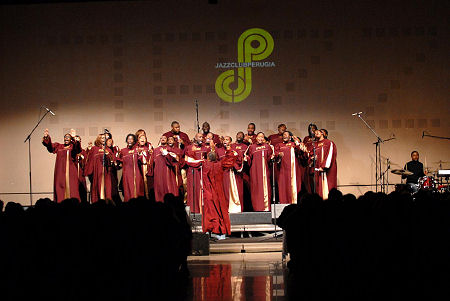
(213, 171)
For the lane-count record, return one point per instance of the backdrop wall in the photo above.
(130, 65)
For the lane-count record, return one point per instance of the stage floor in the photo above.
(237, 276)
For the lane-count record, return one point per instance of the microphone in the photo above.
(50, 111)
(106, 131)
(357, 113)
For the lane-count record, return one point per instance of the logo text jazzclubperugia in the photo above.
(235, 85)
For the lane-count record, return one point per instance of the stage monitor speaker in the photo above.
(278, 209)
(200, 244)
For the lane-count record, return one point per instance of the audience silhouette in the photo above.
(375, 247)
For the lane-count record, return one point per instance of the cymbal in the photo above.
(401, 172)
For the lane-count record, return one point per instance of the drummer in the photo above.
(416, 168)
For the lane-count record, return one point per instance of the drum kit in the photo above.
(436, 181)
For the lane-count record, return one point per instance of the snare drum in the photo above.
(443, 188)
(427, 182)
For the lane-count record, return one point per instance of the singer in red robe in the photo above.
(179, 164)
(215, 208)
(114, 169)
(195, 155)
(326, 168)
(132, 178)
(258, 158)
(164, 163)
(250, 137)
(99, 168)
(274, 140)
(277, 138)
(244, 174)
(289, 178)
(181, 139)
(233, 183)
(206, 129)
(65, 183)
(145, 150)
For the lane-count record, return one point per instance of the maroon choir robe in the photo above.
(65, 181)
(233, 184)
(194, 157)
(178, 165)
(258, 158)
(326, 180)
(220, 153)
(100, 173)
(177, 138)
(243, 175)
(132, 178)
(216, 139)
(146, 153)
(215, 206)
(275, 139)
(289, 177)
(248, 137)
(164, 169)
(306, 166)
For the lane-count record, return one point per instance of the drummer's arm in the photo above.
(405, 168)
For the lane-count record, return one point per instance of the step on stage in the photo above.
(251, 232)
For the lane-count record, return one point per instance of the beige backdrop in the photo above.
(131, 65)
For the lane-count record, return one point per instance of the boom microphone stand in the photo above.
(193, 214)
(314, 164)
(275, 235)
(431, 136)
(378, 172)
(29, 149)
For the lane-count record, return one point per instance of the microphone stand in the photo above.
(275, 235)
(29, 153)
(105, 162)
(196, 110)
(194, 219)
(379, 177)
(437, 137)
(314, 164)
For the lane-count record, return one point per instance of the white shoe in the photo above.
(221, 237)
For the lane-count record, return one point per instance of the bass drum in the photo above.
(427, 182)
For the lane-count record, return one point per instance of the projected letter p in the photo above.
(246, 54)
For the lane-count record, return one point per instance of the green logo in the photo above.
(248, 55)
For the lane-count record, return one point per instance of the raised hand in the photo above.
(73, 133)
(46, 133)
(303, 147)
